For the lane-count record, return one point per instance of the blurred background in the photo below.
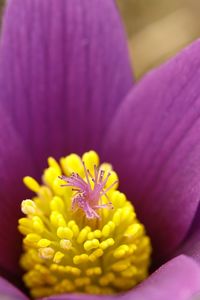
(157, 29)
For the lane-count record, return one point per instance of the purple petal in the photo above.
(64, 71)
(178, 279)
(9, 292)
(154, 143)
(14, 164)
(191, 245)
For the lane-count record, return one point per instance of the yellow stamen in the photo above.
(82, 236)
(28, 207)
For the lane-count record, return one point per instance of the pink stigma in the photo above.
(87, 198)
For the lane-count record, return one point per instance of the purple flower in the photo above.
(64, 77)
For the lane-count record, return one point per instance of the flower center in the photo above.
(81, 233)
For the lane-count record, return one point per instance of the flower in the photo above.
(64, 77)
(81, 234)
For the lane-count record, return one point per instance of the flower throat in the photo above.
(81, 234)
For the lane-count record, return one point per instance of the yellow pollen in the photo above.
(81, 234)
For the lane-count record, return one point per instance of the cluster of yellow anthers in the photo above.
(69, 249)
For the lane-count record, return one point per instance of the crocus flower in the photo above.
(66, 86)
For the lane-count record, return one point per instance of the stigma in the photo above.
(88, 197)
(81, 234)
